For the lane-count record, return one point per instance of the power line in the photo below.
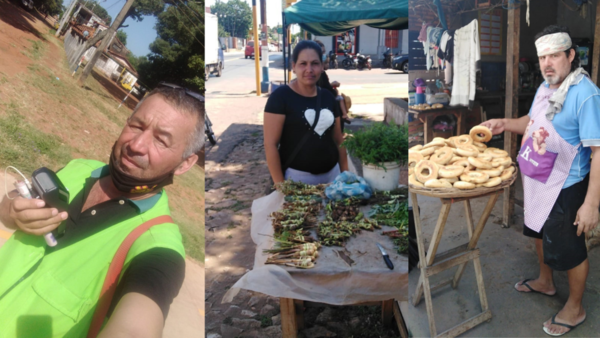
(198, 15)
(118, 1)
(201, 44)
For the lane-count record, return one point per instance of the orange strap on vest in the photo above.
(114, 271)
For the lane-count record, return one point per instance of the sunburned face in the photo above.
(154, 139)
(555, 67)
(308, 67)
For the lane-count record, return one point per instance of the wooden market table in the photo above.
(292, 315)
(432, 263)
(427, 117)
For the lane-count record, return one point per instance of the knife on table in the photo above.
(386, 257)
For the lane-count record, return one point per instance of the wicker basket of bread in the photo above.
(460, 166)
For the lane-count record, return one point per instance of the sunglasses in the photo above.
(187, 91)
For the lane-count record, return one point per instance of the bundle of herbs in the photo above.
(343, 220)
(394, 213)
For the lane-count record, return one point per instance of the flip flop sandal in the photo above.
(531, 289)
(570, 327)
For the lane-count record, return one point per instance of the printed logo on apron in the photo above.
(545, 160)
(534, 160)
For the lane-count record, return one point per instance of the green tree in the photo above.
(97, 9)
(141, 8)
(222, 32)
(234, 15)
(177, 53)
(122, 36)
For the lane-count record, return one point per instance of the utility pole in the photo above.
(264, 86)
(256, 47)
(64, 19)
(105, 42)
(288, 3)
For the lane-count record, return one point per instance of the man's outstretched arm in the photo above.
(135, 316)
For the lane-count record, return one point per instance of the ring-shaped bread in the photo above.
(479, 164)
(494, 172)
(464, 185)
(477, 131)
(467, 150)
(496, 153)
(463, 140)
(502, 161)
(449, 179)
(492, 182)
(480, 146)
(435, 183)
(475, 177)
(464, 163)
(424, 165)
(450, 171)
(485, 157)
(427, 151)
(507, 173)
(413, 181)
(442, 156)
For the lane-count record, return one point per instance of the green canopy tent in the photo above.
(333, 17)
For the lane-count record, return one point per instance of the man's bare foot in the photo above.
(536, 286)
(569, 317)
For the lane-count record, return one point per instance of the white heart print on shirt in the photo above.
(326, 119)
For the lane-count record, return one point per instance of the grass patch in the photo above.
(225, 183)
(25, 147)
(52, 31)
(265, 321)
(37, 49)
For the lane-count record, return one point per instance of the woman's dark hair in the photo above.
(306, 44)
(561, 29)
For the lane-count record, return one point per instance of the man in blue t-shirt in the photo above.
(561, 185)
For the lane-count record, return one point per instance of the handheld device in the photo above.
(48, 187)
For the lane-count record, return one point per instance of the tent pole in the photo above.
(284, 31)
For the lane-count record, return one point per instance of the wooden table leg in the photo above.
(289, 326)
(400, 321)
(469, 217)
(433, 246)
(476, 234)
(299, 306)
(387, 312)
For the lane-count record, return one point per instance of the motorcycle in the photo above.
(363, 61)
(349, 61)
(333, 63)
(388, 56)
(210, 135)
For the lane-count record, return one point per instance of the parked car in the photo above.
(249, 51)
(272, 48)
(400, 62)
(28, 4)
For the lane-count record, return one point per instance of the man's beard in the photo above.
(135, 185)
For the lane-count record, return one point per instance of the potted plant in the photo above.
(382, 149)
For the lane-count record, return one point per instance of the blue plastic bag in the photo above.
(346, 185)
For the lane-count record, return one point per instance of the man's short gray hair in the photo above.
(183, 103)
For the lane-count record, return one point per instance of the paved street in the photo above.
(236, 111)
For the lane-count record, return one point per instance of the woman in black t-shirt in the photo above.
(289, 114)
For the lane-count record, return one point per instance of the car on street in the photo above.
(28, 4)
(249, 51)
(400, 62)
(272, 48)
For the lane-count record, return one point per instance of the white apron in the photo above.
(545, 159)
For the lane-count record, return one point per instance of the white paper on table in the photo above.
(332, 280)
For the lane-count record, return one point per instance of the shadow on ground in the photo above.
(19, 18)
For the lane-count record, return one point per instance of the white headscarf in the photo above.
(550, 44)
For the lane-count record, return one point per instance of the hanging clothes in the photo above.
(423, 32)
(434, 35)
(466, 64)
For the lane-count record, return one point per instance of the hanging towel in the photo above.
(423, 32)
(466, 64)
(434, 35)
